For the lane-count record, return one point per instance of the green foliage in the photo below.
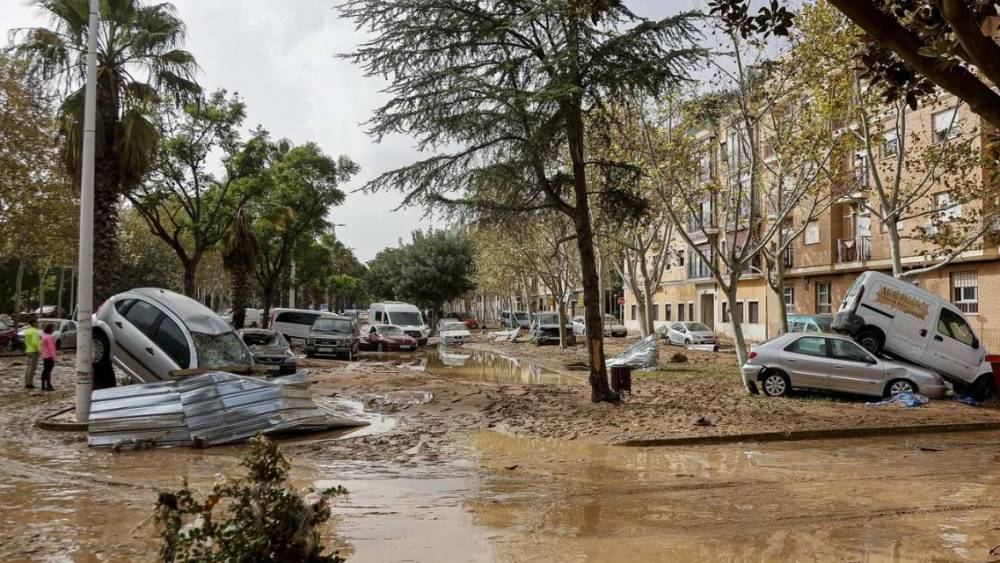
(257, 518)
(429, 271)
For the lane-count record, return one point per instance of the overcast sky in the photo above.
(280, 56)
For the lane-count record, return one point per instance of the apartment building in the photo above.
(835, 245)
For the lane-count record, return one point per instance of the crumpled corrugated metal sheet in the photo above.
(208, 409)
(642, 354)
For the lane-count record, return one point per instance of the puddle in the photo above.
(468, 363)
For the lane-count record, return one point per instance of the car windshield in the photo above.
(698, 327)
(390, 330)
(453, 326)
(332, 325)
(219, 350)
(521, 316)
(548, 319)
(610, 319)
(824, 323)
(263, 339)
(404, 318)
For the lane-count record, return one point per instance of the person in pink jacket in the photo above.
(48, 357)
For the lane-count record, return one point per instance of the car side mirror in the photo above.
(975, 343)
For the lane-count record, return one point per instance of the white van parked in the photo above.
(407, 317)
(294, 324)
(883, 313)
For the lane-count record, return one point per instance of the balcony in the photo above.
(699, 227)
(788, 257)
(857, 249)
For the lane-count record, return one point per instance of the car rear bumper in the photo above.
(751, 372)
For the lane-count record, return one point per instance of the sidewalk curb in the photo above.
(796, 435)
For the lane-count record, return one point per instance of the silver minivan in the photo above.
(148, 333)
(885, 314)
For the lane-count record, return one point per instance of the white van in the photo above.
(405, 316)
(883, 313)
(293, 323)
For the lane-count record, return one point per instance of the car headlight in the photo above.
(310, 341)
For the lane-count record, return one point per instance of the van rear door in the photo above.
(954, 349)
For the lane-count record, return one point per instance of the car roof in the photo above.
(197, 317)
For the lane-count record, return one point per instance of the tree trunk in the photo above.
(562, 322)
(737, 322)
(894, 251)
(647, 311)
(59, 294)
(107, 192)
(18, 281)
(72, 292)
(43, 274)
(600, 278)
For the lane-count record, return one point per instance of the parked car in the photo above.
(452, 332)
(64, 331)
(688, 333)
(810, 323)
(386, 338)
(294, 324)
(835, 363)
(8, 337)
(471, 322)
(334, 335)
(612, 327)
(407, 317)
(150, 332)
(515, 319)
(885, 314)
(251, 317)
(545, 330)
(270, 348)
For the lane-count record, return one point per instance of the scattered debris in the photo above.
(511, 467)
(926, 449)
(702, 421)
(903, 400)
(504, 335)
(704, 347)
(205, 410)
(968, 401)
(678, 358)
(643, 354)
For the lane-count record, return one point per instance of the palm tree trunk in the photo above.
(106, 258)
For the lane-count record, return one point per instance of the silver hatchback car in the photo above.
(835, 363)
(148, 333)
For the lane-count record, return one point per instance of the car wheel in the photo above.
(104, 373)
(984, 388)
(871, 340)
(899, 386)
(687, 341)
(776, 384)
(98, 348)
(309, 354)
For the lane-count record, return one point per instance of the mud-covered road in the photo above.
(506, 461)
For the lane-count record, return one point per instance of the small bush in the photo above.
(678, 358)
(260, 517)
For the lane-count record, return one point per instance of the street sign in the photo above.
(621, 300)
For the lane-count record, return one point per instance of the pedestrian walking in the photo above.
(32, 346)
(48, 357)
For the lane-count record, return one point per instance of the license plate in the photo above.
(322, 349)
(405, 347)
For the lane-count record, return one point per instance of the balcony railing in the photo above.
(857, 249)
(698, 223)
(788, 257)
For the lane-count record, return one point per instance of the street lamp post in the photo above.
(85, 292)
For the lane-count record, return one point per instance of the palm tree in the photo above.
(139, 61)
(240, 257)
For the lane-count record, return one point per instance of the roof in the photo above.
(197, 317)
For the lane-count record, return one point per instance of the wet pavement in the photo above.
(471, 364)
(927, 498)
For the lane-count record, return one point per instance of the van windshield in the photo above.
(521, 316)
(404, 318)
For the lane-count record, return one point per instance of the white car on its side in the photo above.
(453, 332)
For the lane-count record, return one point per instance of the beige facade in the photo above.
(841, 242)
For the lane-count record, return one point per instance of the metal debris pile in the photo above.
(206, 410)
(644, 354)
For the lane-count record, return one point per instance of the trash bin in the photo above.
(621, 379)
(994, 360)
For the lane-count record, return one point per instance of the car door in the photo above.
(133, 339)
(853, 369)
(67, 335)
(172, 347)
(954, 349)
(806, 362)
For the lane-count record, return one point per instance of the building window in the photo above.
(656, 311)
(666, 312)
(965, 291)
(890, 143)
(690, 311)
(738, 312)
(946, 210)
(753, 312)
(633, 312)
(812, 232)
(945, 125)
(680, 257)
(725, 311)
(705, 167)
(823, 298)
(861, 170)
(789, 296)
(680, 312)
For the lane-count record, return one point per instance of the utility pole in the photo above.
(85, 294)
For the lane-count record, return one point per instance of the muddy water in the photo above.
(478, 365)
(546, 500)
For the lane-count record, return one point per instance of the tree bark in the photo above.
(59, 295)
(18, 281)
(107, 191)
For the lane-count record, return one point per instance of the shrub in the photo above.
(260, 517)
